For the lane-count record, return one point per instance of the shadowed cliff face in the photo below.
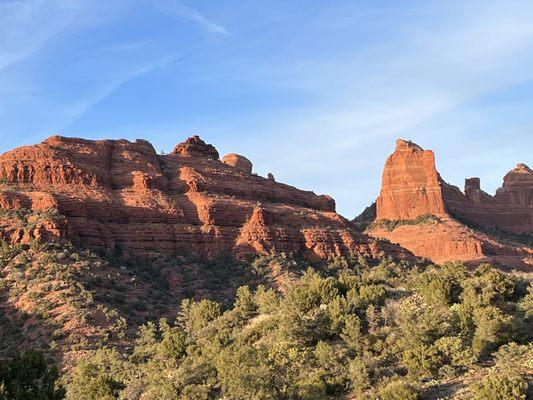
(510, 209)
(412, 188)
(118, 194)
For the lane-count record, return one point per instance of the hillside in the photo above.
(345, 330)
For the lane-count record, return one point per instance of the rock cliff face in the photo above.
(412, 188)
(510, 209)
(118, 194)
(411, 185)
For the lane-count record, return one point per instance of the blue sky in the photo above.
(315, 92)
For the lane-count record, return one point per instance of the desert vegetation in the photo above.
(276, 327)
(356, 328)
(391, 331)
(391, 224)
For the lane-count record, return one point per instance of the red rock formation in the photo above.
(115, 193)
(510, 209)
(239, 162)
(412, 187)
(449, 240)
(194, 146)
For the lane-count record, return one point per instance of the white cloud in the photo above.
(191, 14)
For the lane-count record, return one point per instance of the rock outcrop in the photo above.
(412, 188)
(241, 163)
(112, 194)
(194, 146)
(411, 185)
(510, 209)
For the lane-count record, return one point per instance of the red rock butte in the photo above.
(113, 194)
(411, 186)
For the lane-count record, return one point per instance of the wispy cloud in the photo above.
(31, 35)
(77, 110)
(191, 14)
(26, 25)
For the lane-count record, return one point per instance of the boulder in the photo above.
(239, 162)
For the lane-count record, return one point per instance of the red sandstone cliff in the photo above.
(510, 209)
(115, 193)
(412, 187)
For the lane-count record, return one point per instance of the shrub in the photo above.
(351, 333)
(196, 315)
(422, 360)
(493, 328)
(487, 287)
(390, 225)
(97, 378)
(398, 390)
(27, 376)
(454, 351)
(514, 357)
(373, 294)
(266, 299)
(500, 387)
(358, 376)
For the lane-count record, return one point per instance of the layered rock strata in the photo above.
(112, 194)
(412, 188)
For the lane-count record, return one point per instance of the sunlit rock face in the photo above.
(112, 194)
(412, 188)
(411, 185)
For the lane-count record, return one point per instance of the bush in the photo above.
(487, 287)
(358, 375)
(422, 360)
(493, 328)
(97, 378)
(27, 376)
(454, 351)
(391, 224)
(500, 387)
(398, 391)
(195, 316)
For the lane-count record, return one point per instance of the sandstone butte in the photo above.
(412, 187)
(111, 194)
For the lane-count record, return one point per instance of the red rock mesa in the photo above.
(113, 194)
